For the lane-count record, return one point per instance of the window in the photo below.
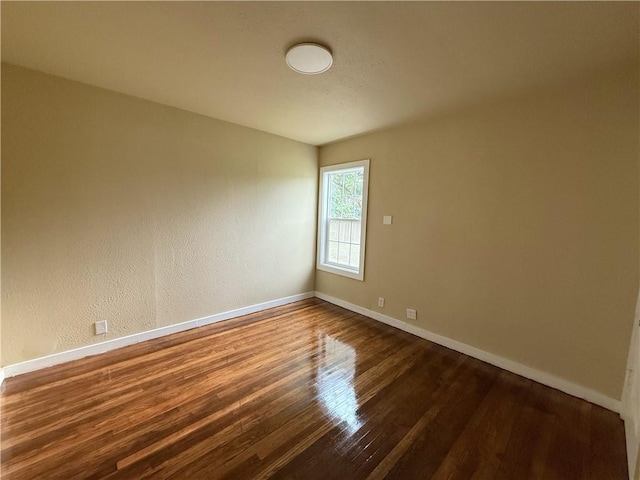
(342, 218)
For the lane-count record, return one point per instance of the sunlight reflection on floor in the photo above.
(335, 382)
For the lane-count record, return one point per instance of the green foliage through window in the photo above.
(345, 195)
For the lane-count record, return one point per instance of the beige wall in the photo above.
(515, 227)
(120, 209)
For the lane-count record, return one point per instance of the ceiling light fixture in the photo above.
(309, 58)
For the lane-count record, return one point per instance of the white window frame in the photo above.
(323, 191)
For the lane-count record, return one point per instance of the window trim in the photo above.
(321, 263)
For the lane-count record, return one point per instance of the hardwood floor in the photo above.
(309, 391)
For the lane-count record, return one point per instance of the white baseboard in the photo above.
(1, 375)
(514, 367)
(102, 347)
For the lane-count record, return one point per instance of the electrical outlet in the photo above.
(411, 314)
(387, 219)
(101, 327)
(381, 302)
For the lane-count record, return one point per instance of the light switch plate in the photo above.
(387, 219)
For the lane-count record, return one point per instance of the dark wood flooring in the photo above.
(308, 391)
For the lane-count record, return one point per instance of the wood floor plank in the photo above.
(306, 390)
(528, 431)
(451, 419)
(569, 451)
(606, 460)
(479, 448)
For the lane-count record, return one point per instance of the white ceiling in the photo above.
(393, 61)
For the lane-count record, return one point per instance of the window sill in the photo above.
(341, 271)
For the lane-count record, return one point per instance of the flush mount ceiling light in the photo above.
(309, 58)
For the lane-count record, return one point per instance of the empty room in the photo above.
(320, 240)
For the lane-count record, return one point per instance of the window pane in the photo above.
(355, 256)
(343, 253)
(345, 195)
(335, 184)
(334, 226)
(332, 252)
(357, 208)
(359, 181)
(349, 207)
(334, 207)
(350, 183)
(355, 233)
(345, 231)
